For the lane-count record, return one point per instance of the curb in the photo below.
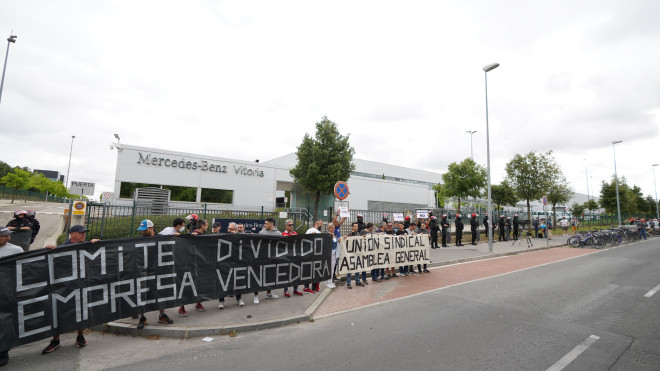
(188, 332)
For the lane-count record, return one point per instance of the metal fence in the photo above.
(115, 221)
(25, 195)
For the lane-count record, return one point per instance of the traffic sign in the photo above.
(341, 190)
(79, 208)
(81, 188)
(545, 200)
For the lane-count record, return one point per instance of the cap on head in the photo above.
(407, 217)
(5, 231)
(360, 216)
(78, 228)
(145, 224)
(474, 215)
(458, 215)
(216, 225)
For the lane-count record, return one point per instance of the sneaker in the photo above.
(80, 341)
(317, 287)
(54, 344)
(296, 292)
(307, 290)
(359, 284)
(165, 319)
(365, 282)
(200, 307)
(426, 271)
(395, 275)
(385, 278)
(182, 312)
(256, 299)
(348, 286)
(330, 285)
(271, 296)
(221, 305)
(143, 321)
(286, 293)
(241, 303)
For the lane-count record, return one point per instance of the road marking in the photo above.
(650, 293)
(573, 354)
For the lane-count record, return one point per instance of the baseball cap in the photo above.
(78, 228)
(215, 225)
(145, 224)
(5, 231)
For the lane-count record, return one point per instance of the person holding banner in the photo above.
(354, 232)
(318, 223)
(6, 249)
(201, 226)
(331, 229)
(403, 269)
(268, 229)
(423, 230)
(232, 228)
(288, 231)
(178, 227)
(77, 234)
(147, 228)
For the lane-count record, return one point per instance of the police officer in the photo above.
(459, 230)
(501, 236)
(444, 223)
(360, 223)
(433, 225)
(516, 226)
(32, 218)
(474, 228)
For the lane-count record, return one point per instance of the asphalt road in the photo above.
(594, 312)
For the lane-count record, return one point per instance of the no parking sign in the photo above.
(79, 208)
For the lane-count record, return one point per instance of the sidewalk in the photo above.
(272, 313)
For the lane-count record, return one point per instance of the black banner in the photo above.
(76, 286)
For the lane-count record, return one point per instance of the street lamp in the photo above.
(69, 168)
(586, 172)
(471, 153)
(657, 214)
(117, 136)
(487, 69)
(616, 179)
(11, 39)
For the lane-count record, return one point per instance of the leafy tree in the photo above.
(608, 195)
(653, 206)
(577, 210)
(40, 183)
(17, 179)
(440, 195)
(591, 205)
(559, 192)
(531, 176)
(503, 195)
(4, 169)
(58, 189)
(323, 160)
(465, 179)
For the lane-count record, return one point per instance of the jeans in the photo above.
(642, 234)
(357, 277)
(403, 269)
(374, 274)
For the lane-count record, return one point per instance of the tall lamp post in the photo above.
(657, 214)
(10, 40)
(69, 167)
(487, 69)
(586, 172)
(616, 180)
(471, 152)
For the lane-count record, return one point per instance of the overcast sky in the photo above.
(246, 79)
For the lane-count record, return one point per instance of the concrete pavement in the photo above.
(271, 313)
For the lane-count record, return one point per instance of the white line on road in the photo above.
(650, 293)
(573, 354)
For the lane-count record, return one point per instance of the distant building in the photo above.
(50, 174)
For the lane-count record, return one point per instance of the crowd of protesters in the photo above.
(193, 225)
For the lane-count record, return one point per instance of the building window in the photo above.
(219, 196)
(187, 194)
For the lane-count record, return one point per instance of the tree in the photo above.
(559, 192)
(440, 195)
(465, 179)
(503, 195)
(576, 210)
(4, 169)
(58, 189)
(531, 176)
(608, 195)
(591, 205)
(17, 179)
(40, 183)
(323, 160)
(653, 206)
